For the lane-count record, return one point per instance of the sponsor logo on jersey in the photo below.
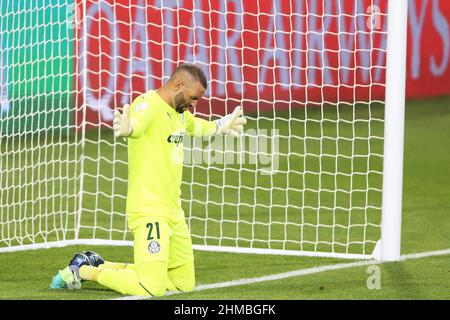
(176, 138)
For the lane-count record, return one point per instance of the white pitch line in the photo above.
(296, 273)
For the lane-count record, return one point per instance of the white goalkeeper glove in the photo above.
(121, 123)
(232, 124)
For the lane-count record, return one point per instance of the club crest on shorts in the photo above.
(154, 247)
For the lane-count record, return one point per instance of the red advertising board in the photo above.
(263, 54)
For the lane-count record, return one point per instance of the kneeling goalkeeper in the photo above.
(155, 124)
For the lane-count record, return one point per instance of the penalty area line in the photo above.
(296, 273)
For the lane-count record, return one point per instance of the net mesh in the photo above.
(310, 75)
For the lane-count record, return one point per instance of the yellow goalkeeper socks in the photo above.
(123, 281)
(138, 280)
(130, 266)
(123, 277)
(89, 273)
(114, 265)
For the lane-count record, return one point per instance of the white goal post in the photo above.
(393, 131)
(318, 171)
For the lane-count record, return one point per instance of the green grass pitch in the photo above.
(425, 221)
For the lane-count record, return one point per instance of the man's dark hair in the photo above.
(194, 71)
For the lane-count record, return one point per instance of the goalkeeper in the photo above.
(155, 124)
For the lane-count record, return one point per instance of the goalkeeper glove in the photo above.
(121, 123)
(232, 124)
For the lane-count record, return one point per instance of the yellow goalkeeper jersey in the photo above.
(155, 154)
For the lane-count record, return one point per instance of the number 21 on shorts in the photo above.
(150, 230)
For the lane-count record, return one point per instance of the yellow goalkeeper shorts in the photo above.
(162, 239)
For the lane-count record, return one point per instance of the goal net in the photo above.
(305, 178)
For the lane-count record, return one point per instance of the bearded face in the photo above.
(180, 103)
